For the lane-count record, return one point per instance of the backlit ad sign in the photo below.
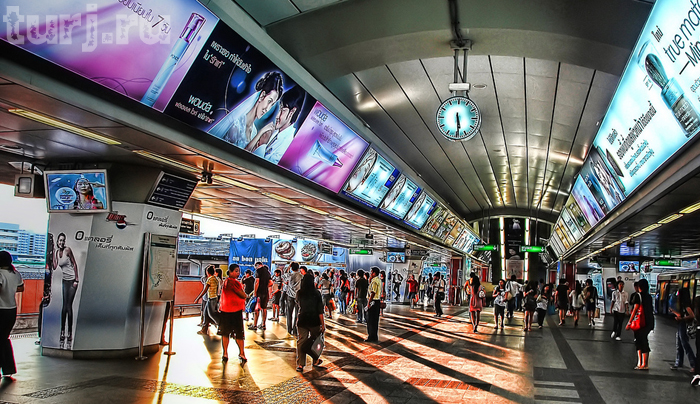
(400, 198)
(371, 180)
(420, 211)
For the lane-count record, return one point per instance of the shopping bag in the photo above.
(637, 322)
(597, 312)
(250, 307)
(535, 317)
(318, 345)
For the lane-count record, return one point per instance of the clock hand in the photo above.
(458, 122)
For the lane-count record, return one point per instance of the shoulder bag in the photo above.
(637, 322)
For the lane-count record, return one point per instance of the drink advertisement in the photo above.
(139, 49)
(400, 199)
(324, 150)
(515, 237)
(77, 191)
(371, 180)
(420, 211)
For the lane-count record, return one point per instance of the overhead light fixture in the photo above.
(229, 181)
(342, 219)
(651, 227)
(360, 225)
(315, 210)
(280, 198)
(167, 160)
(691, 208)
(670, 218)
(58, 124)
(639, 233)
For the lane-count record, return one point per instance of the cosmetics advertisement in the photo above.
(571, 225)
(514, 238)
(139, 49)
(585, 200)
(654, 111)
(420, 211)
(400, 198)
(461, 240)
(324, 149)
(235, 93)
(371, 180)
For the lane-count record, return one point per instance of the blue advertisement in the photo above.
(420, 211)
(77, 191)
(338, 257)
(371, 180)
(400, 199)
(247, 252)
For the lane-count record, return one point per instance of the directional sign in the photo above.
(531, 248)
(361, 251)
(485, 247)
(667, 263)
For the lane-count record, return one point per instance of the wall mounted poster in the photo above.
(371, 180)
(248, 251)
(140, 49)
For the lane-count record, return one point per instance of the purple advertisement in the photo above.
(140, 49)
(324, 150)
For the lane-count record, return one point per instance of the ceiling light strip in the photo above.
(671, 218)
(691, 208)
(279, 198)
(68, 127)
(229, 181)
(651, 227)
(166, 160)
(315, 210)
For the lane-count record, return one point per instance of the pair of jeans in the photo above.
(438, 306)
(511, 307)
(361, 304)
(283, 303)
(342, 302)
(618, 319)
(7, 356)
(211, 312)
(683, 346)
(305, 339)
(292, 314)
(373, 321)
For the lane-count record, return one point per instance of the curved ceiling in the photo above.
(550, 69)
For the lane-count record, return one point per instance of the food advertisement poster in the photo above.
(247, 252)
(139, 49)
(420, 211)
(371, 180)
(300, 251)
(400, 198)
(324, 149)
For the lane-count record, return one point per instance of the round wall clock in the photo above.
(458, 118)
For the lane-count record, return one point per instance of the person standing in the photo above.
(361, 286)
(542, 305)
(439, 289)
(619, 306)
(310, 323)
(248, 287)
(561, 296)
(263, 280)
(576, 301)
(513, 288)
(642, 301)
(10, 283)
(530, 305)
(375, 292)
(211, 287)
(293, 285)
(476, 301)
(421, 288)
(344, 289)
(231, 313)
(590, 295)
(499, 303)
(683, 316)
(412, 287)
(351, 289)
(396, 280)
(277, 285)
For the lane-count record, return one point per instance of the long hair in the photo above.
(307, 286)
(475, 282)
(6, 261)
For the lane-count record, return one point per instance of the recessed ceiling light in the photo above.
(479, 86)
(68, 127)
(691, 208)
(670, 218)
(651, 227)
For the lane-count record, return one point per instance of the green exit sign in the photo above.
(531, 248)
(485, 247)
(667, 263)
(361, 251)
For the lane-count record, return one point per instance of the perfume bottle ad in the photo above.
(129, 47)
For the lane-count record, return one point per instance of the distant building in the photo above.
(22, 244)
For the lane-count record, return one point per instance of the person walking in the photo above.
(576, 302)
(542, 304)
(683, 316)
(10, 283)
(439, 289)
(210, 288)
(412, 288)
(325, 286)
(530, 305)
(499, 303)
(351, 289)
(476, 301)
(373, 307)
(248, 287)
(590, 295)
(263, 280)
(619, 306)
(293, 285)
(310, 323)
(361, 286)
(231, 309)
(344, 289)
(642, 301)
(561, 297)
(513, 288)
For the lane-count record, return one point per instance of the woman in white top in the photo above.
(10, 283)
(69, 271)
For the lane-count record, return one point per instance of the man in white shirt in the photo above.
(513, 288)
(619, 306)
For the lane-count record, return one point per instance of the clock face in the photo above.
(458, 118)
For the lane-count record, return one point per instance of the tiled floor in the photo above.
(419, 359)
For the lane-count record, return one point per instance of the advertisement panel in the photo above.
(435, 220)
(77, 191)
(302, 251)
(248, 251)
(139, 49)
(420, 211)
(400, 198)
(446, 226)
(371, 180)
(585, 200)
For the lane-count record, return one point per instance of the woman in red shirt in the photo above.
(231, 307)
(412, 289)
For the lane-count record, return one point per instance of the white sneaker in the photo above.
(695, 381)
(618, 339)
(612, 335)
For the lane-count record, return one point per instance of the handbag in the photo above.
(382, 305)
(692, 328)
(250, 307)
(597, 312)
(482, 293)
(318, 345)
(638, 321)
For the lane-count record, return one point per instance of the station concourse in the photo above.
(554, 142)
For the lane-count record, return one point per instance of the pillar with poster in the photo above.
(514, 235)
